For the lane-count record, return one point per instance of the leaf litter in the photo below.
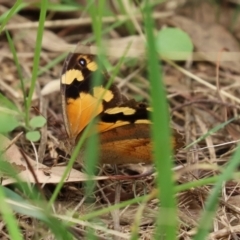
(197, 107)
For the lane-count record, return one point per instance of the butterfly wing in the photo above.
(130, 143)
(82, 100)
(125, 134)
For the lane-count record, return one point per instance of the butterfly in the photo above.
(123, 124)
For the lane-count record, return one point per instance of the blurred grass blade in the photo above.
(167, 217)
(52, 63)
(18, 5)
(9, 218)
(91, 156)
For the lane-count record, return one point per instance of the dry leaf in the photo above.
(43, 173)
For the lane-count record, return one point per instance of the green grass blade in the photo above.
(32, 204)
(70, 163)
(7, 15)
(9, 218)
(37, 52)
(203, 182)
(212, 201)
(13, 50)
(145, 198)
(96, 14)
(211, 131)
(167, 219)
(60, 7)
(52, 63)
(91, 157)
(129, 25)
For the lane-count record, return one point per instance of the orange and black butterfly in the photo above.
(123, 125)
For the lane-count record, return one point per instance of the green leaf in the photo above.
(173, 43)
(33, 136)
(5, 102)
(8, 122)
(37, 122)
